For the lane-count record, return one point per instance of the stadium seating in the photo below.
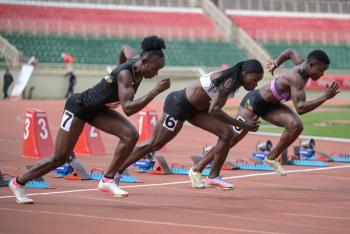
(91, 50)
(295, 29)
(108, 22)
(313, 6)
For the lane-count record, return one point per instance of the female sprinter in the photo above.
(200, 104)
(266, 102)
(94, 106)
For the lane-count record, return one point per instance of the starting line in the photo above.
(187, 181)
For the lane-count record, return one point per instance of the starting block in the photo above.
(342, 157)
(252, 166)
(38, 182)
(162, 168)
(79, 172)
(35, 183)
(144, 165)
(64, 170)
(184, 171)
(227, 165)
(97, 174)
(262, 149)
(306, 155)
(311, 163)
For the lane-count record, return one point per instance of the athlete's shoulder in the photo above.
(295, 79)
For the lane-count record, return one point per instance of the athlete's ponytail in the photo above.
(153, 45)
(231, 79)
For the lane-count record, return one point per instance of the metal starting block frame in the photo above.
(79, 172)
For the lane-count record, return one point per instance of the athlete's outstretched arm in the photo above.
(284, 56)
(126, 93)
(215, 109)
(126, 53)
(299, 97)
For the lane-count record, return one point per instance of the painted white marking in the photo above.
(187, 181)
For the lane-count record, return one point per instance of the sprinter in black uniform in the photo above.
(94, 107)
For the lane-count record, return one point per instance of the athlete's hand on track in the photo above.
(162, 85)
(251, 125)
(271, 66)
(332, 90)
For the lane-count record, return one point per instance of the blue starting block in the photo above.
(98, 175)
(344, 159)
(306, 153)
(36, 184)
(64, 170)
(144, 165)
(184, 171)
(256, 167)
(33, 184)
(259, 155)
(311, 163)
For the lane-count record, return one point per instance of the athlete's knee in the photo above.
(296, 126)
(130, 136)
(227, 134)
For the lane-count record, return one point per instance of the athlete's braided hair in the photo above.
(153, 45)
(231, 79)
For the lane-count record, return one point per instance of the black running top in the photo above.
(105, 93)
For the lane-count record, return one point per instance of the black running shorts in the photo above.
(177, 106)
(73, 105)
(255, 103)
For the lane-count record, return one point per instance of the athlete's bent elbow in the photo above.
(301, 111)
(128, 111)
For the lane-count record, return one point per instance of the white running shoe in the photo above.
(19, 193)
(111, 187)
(275, 165)
(196, 179)
(219, 183)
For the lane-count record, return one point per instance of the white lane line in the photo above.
(182, 225)
(187, 181)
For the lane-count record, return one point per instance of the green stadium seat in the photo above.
(91, 50)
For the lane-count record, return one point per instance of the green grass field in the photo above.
(334, 122)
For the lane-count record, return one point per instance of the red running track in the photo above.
(306, 201)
